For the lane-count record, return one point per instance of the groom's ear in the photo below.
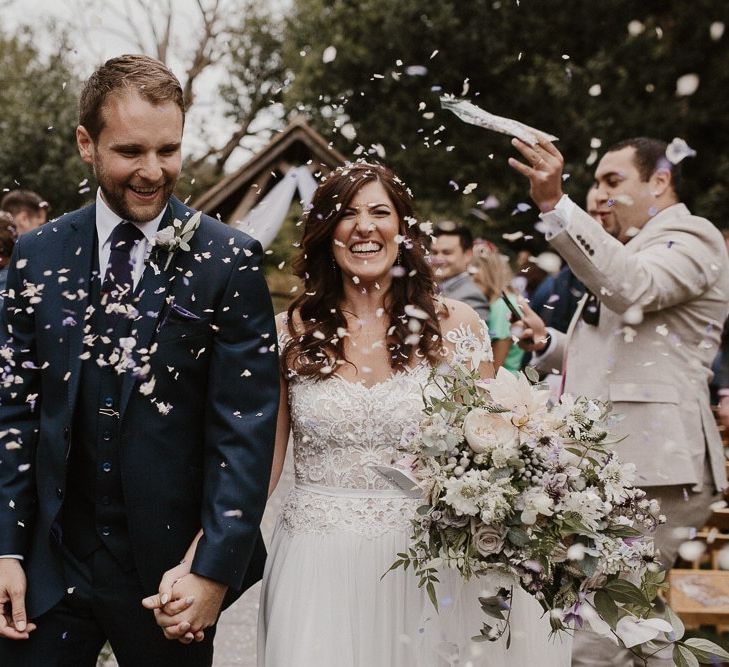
(85, 144)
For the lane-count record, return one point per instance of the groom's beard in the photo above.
(121, 198)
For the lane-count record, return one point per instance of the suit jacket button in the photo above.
(59, 493)
(66, 432)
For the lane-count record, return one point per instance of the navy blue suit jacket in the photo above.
(205, 333)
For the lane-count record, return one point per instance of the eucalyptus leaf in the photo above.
(518, 537)
(706, 651)
(606, 608)
(532, 374)
(682, 657)
(623, 591)
(676, 622)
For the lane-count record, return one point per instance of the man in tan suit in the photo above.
(644, 335)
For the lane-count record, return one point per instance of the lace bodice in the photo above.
(341, 428)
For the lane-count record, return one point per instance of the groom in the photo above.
(138, 400)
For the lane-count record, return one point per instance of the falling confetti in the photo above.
(330, 53)
(687, 85)
(677, 150)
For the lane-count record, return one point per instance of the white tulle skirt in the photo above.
(325, 603)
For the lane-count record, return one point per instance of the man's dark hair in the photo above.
(8, 237)
(649, 157)
(16, 201)
(149, 77)
(448, 228)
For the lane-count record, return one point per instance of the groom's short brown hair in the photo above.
(149, 77)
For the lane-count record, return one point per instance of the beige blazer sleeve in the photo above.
(674, 261)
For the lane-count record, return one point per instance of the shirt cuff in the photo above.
(548, 347)
(557, 220)
(16, 556)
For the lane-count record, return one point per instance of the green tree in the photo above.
(591, 73)
(38, 121)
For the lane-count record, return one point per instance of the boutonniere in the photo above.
(176, 236)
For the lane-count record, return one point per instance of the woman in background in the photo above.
(492, 273)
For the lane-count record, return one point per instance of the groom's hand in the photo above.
(205, 597)
(13, 621)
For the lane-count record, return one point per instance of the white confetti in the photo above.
(687, 85)
(716, 30)
(470, 188)
(330, 53)
(595, 90)
(635, 28)
(677, 150)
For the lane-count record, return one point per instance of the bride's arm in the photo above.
(466, 338)
(283, 427)
(283, 424)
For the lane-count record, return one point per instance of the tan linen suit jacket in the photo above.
(674, 274)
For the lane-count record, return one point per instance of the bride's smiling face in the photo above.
(364, 242)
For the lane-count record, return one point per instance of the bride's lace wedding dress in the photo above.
(324, 601)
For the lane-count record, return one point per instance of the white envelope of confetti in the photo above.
(470, 113)
(399, 479)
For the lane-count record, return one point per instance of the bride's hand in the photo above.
(164, 599)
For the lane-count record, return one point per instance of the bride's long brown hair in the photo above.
(316, 318)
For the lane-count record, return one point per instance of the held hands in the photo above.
(544, 171)
(534, 337)
(13, 621)
(186, 604)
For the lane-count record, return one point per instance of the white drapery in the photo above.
(266, 218)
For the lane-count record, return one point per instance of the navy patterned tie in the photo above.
(118, 284)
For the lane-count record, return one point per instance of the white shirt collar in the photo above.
(106, 220)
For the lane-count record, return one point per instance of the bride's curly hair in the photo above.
(316, 318)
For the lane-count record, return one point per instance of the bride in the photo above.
(356, 350)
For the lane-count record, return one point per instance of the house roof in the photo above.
(237, 193)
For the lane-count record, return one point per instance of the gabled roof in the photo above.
(238, 193)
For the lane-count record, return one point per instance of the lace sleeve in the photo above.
(283, 332)
(469, 348)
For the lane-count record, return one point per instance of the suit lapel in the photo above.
(151, 293)
(78, 254)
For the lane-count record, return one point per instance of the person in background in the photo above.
(450, 255)
(28, 209)
(644, 335)
(557, 297)
(720, 382)
(8, 236)
(492, 273)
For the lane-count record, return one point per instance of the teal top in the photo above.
(499, 324)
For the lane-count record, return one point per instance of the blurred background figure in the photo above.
(28, 209)
(493, 275)
(8, 236)
(720, 381)
(450, 256)
(556, 299)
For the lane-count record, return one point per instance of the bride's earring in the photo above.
(398, 261)
(334, 264)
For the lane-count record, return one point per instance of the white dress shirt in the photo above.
(106, 220)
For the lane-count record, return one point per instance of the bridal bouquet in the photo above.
(512, 485)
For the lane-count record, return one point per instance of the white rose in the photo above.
(488, 540)
(164, 236)
(485, 430)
